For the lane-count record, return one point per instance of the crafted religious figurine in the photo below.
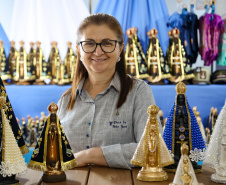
(31, 62)
(182, 127)
(157, 68)
(216, 152)
(199, 120)
(152, 153)
(180, 66)
(185, 173)
(214, 119)
(210, 117)
(67, 67)
(13, 62)
(160, 113)
(54, 63)
(41, 67)
(4, 63)
(52, 154)
(12, 143)
(24, 129)
(24, 68)
(168, 52)
(32, 135)
(208, 135)
(135, 59)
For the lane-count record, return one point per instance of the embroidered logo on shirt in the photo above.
(118, 124)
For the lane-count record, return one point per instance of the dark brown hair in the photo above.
(80, 70)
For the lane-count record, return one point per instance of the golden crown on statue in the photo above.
(181, 88)
(52, 108)
(153, 110)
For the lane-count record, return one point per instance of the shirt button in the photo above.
(87, 135)
(87, 147)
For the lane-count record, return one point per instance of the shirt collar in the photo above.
(114, 83)
(80, 87)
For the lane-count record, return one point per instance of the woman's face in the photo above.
(99, 61)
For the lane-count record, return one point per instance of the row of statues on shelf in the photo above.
(32, 129)
(178, 150)
(24, 69)
(154, 67)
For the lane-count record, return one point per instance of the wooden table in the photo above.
(96, 175)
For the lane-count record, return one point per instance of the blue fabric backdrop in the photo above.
(142, 14)
(5, 39)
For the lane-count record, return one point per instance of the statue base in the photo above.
(218, 179)
(23, 82)
(153, 79)
(39, 82)
(61, 82)
(54, 177)
(152, 174)
(9, 180)
(160, 82)
(6, 83)
(173, 167)
(52, 82)
(174, 170)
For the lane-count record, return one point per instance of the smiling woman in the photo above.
(105, 111)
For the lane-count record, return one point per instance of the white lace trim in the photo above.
(9, 169)
(197, 155)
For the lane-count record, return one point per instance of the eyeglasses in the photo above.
(107, 46)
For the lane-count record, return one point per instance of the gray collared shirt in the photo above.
(95, 123)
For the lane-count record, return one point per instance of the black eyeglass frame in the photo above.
(100, 45)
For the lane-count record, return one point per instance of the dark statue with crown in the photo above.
(52, 154)
(182, 127)
(12, 144)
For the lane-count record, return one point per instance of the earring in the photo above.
(119, 59)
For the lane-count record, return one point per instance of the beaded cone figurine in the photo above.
(52, 154)
(185, 173)
(151, 152)
(135, 59)
(216, 152)
(12, 143)
(182, 127)
(157, 68)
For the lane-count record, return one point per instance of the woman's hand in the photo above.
(80, 158)
(90, 156)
